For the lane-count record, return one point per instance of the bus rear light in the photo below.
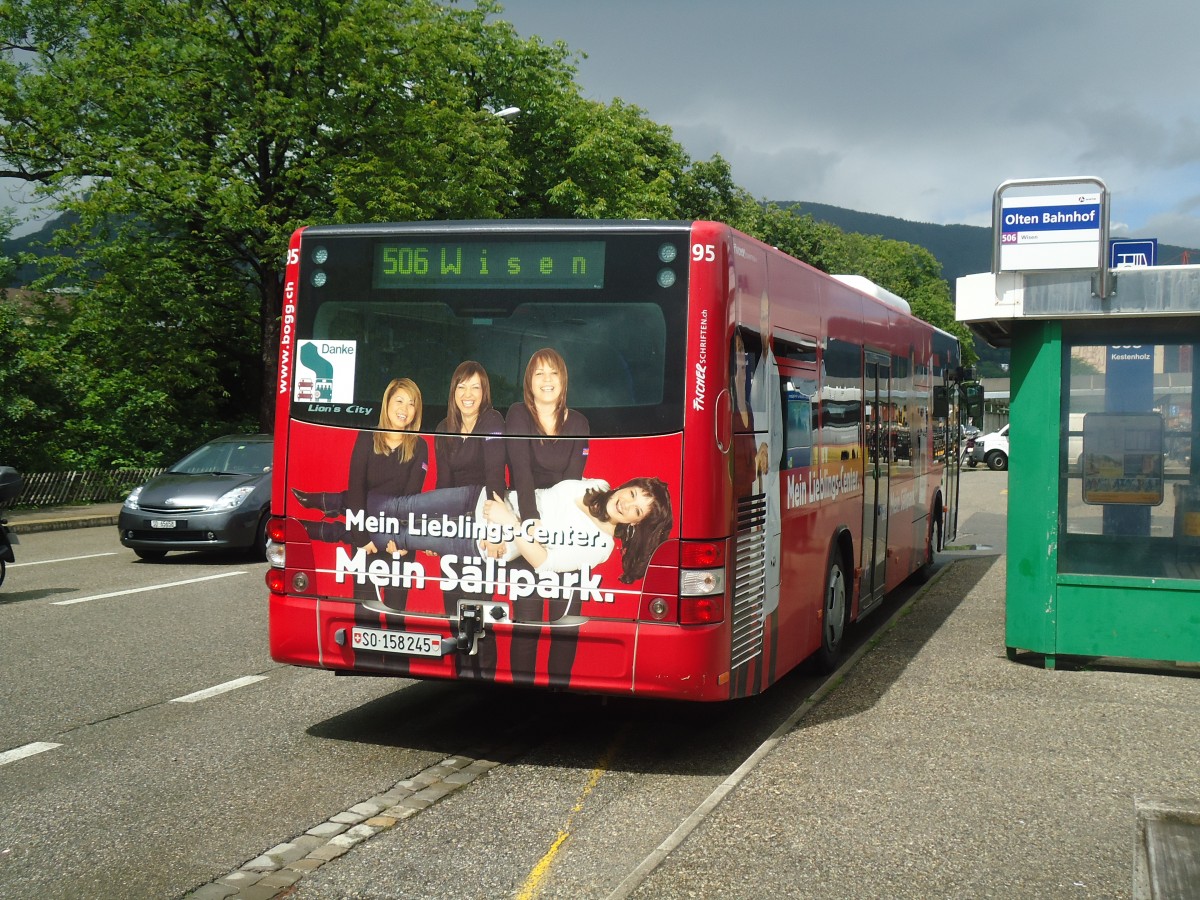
(701, 582)
(701, 610)
(277, 529)
(702, 554)
(276, 550)
(275, 581)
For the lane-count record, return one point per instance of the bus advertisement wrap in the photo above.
(646, 458)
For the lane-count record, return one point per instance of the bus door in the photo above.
(877, 391)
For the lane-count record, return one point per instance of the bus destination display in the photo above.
(457, 265)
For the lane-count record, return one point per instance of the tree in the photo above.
(193, 136)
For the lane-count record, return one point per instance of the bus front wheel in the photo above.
(836, 610)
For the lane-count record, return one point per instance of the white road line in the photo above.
(220, 689)
(153, 587)
(28, 750)
(42, 562)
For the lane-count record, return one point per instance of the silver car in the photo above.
(217, 497)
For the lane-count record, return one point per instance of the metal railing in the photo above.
(71, 488)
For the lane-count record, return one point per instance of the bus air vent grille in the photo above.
(749, 580)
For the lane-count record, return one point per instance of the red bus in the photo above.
(647, 458)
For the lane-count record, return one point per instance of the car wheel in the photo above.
(150, 555)
(997, 461)
(2, 566)
(260, 543)
(835, 613)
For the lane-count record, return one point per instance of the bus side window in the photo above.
(798, 420)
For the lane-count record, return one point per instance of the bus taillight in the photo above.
(701, 610)
(701, 582)
(275, 580)
(276, 548)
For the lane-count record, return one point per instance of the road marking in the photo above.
(220, 689)
(533, 881)
(42, 562)
(28, 750)
(153, 587)
(634, 879)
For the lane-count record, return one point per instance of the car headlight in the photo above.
(233, 499)
(131, 500)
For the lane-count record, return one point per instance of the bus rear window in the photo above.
(373, 310)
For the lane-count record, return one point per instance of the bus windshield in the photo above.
(377, 306)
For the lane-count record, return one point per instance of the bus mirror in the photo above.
(941, 402)
(972, 393)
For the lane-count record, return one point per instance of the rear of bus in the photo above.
(434, 583)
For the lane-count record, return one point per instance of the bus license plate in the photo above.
(406, 642)
(162, 523)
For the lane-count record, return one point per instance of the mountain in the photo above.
(35, 242)
(961, 249)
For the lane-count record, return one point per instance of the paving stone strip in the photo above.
(277, 870)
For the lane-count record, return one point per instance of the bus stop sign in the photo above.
(1126, 254)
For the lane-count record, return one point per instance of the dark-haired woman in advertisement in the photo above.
(552, 447)
(469, 450)
(393, 460)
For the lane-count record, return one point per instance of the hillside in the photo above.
(961, 249)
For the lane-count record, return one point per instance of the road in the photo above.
(150, 746)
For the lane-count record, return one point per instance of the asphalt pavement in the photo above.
(933, 766)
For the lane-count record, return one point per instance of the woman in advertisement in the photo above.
(469, 450)
(583, 520)
(535, 462)
(392, 461)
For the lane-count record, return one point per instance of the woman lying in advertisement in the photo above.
(581, 522)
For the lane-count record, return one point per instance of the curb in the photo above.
(275, 872)
(39, 525)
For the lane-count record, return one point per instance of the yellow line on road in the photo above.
(534, 880)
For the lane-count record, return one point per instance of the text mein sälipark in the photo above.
(474, 574)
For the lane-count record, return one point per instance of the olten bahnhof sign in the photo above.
(1104, 483)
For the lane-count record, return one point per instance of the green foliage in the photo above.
(187, 140)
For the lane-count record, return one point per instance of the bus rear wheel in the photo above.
(834, 615)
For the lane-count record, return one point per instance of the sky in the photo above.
(917, 109)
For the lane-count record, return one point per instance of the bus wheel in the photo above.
(925, 571)
(834, 615)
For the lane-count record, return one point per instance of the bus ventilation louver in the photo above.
(749, 580)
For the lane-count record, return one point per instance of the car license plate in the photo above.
(406, 642)
(162, 523)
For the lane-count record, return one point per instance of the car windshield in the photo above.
(227, 458)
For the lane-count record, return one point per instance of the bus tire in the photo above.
(835, 613)
(924, 571)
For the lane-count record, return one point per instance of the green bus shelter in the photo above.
(1104, 485)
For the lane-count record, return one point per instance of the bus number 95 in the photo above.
(704, 253)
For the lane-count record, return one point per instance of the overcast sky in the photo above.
(911, 108)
